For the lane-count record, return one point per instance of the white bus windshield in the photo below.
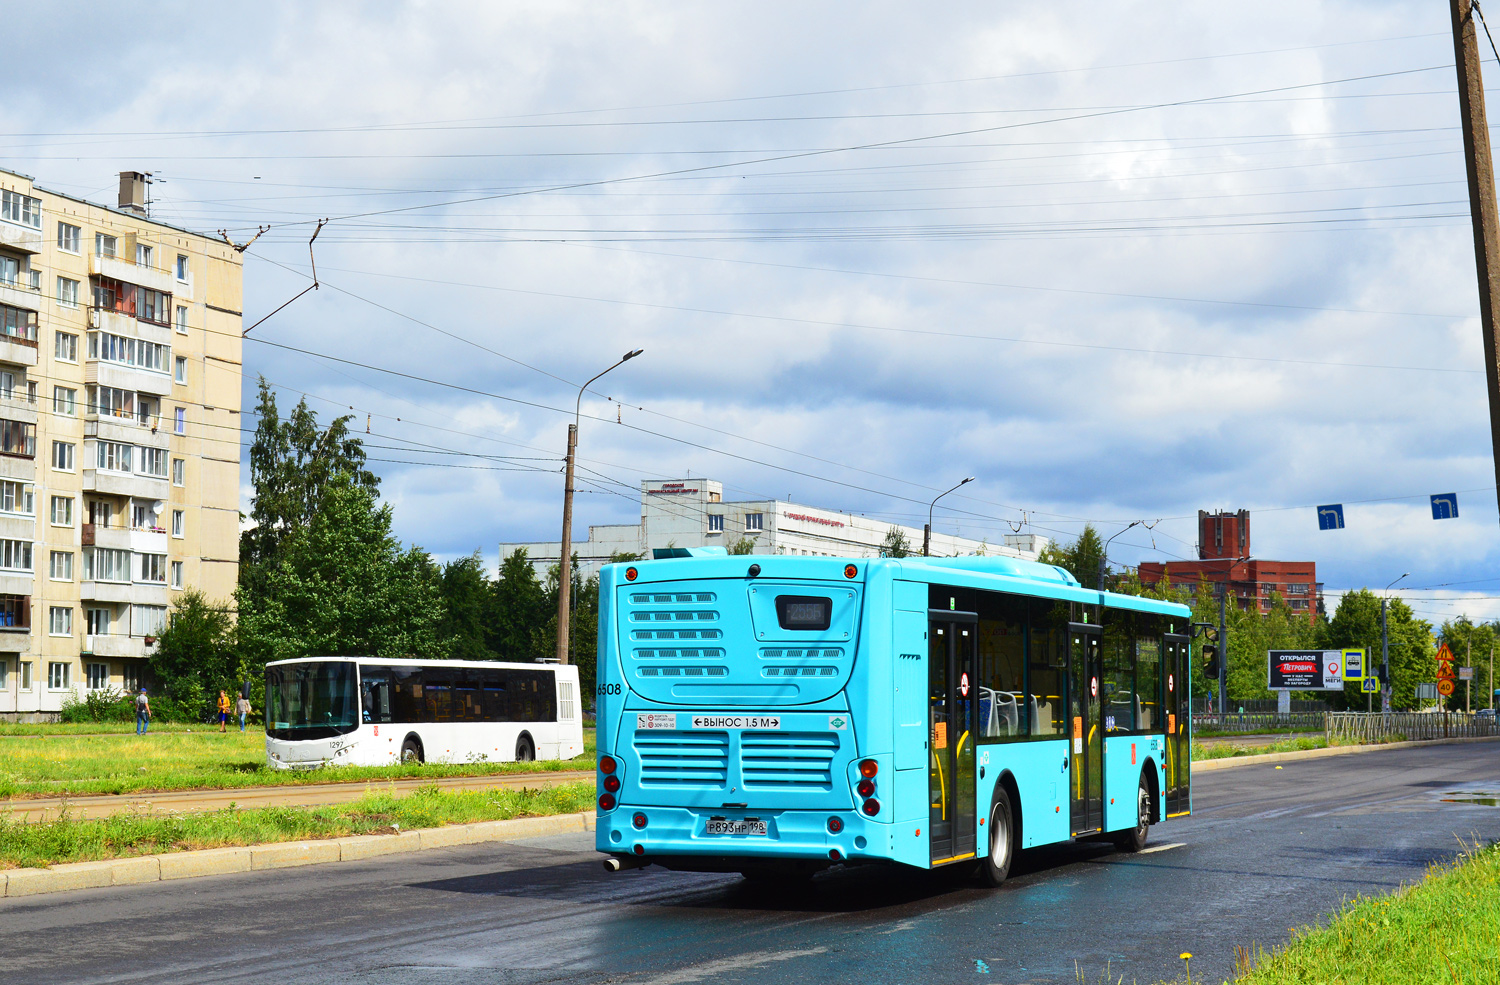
(311, 700)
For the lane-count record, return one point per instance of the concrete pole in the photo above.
(1223, 658)
(1482, 206)
(565, 557)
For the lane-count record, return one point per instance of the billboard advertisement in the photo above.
(1305, 670)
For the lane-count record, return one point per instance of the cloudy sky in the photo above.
(1119, 261)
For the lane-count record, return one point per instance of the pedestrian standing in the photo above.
(243, 707)
(142, 712)
(223, 712)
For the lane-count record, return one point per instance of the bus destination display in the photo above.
(804, 612)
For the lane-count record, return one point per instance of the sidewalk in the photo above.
(310, 795)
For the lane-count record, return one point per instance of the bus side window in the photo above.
(496, 704)
(1117, 686)
(1046, 665)
(1004, 709)
(375, 696)
(406, 694)
(438, 696)
(466, 693)
(1148, 652)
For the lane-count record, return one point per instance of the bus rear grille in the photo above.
(683, 759)
(799, 760)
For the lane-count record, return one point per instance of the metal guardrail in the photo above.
(1362, 727)
(1310, 721)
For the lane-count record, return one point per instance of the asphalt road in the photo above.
(1265, 851)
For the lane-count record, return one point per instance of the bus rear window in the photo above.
(804, 612)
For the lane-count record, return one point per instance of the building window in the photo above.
(753, 521)
(176, 574)
(59, 674)
(15, 555)
(15, 207)
(179, 424)
(105, 246)
(130, 678)
(182, 268)
(65, 346)
(62, 456)
(179, 369)
(98, 622)
(179, 523)
(114, 456)
(26, 675)
(17, 439)
(17, 323)
(143, 255)
(62, 566)
(67, 292)
(179, 472)
(182, 319)
(15, 611)
(147, 620)
(17, 497)
(60, 623)
(64, 400)
(716, 523)
(153, 568)
(98, 677)
(69, 237)
(154, 462)
(4, 675)
(106, 564)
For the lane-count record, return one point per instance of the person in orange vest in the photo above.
(223, 712)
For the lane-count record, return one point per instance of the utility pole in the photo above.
(1482, 206)
(1223, 659)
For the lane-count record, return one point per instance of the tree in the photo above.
(1080, 558)
(742, 546)
(1356, 623)
(196, 657)
(467, 598)
(293, 464)
(895, 544)
(343, 585)
(519, 612)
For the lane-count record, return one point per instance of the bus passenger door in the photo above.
(1085, 729)
(951, 700)
(1178, 717)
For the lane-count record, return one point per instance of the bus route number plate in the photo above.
(728, 826)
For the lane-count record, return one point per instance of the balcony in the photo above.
(124, 484)
(126, 428)
(17, 406)
(18, 467)
(125, 324)
(19, 293)
(104, 373)
(137, 593)
(26, 239)
(14, 582)
(119, 268)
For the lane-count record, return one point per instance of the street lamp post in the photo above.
(1104, 554)
(565, 556)
(1224, 636)
(1385, 649)
(927, 530)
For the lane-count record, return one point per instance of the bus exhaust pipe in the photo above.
(617, 864)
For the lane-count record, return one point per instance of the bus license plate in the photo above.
(724, 826)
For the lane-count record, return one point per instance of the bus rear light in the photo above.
(868, 768)
(639, 821)
(612, 783)
(871, 807)
(630, 574)
(850, 571)
(833, 853)
(606, 802)
(639, 849)
(866, 787)
(835, 825)
(607, 764)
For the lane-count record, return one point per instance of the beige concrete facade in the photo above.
(120, 367)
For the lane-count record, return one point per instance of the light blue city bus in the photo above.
(777, 715)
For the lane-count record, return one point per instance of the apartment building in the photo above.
(119, 436)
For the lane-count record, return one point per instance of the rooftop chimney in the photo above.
(133, 191)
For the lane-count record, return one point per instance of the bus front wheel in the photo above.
(1135, 839)
(525, 751)
(411, 751)
(996, 864)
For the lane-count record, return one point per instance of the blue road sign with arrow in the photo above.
(1331, 517)
(1445, 506)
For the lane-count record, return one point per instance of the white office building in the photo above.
(692, 513)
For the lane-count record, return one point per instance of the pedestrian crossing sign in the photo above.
(1370, 685)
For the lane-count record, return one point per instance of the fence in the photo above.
(1204, 705)
(1307, 721)
(1360, 727)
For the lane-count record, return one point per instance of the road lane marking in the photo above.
(1162, 848)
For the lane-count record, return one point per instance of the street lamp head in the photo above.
(631, 355)
(968, 480)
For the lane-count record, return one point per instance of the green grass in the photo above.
(1444, 929)
(74, 765)
(94, 728)
(125, 835)
(1228, 751)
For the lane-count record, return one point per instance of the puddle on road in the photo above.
(1477, 798)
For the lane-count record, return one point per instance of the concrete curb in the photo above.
(224, 861)
(1230, 762)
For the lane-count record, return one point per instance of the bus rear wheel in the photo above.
(525, 751)
(995, 866)
(1135, 839)
(411, 751)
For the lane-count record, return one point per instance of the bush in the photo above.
(102, 705)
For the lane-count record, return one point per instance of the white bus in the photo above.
(365, 711)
